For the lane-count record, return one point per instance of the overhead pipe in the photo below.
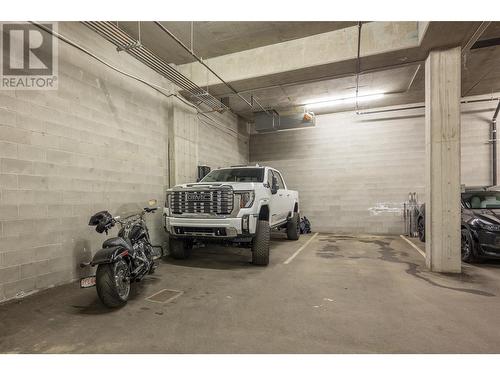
(157, 64)
(493, 129)
(463, 101)
(330, 77)
(119, 38)
(410, 83)
(125, 42)
(494, 145)
(474, 38)
(160, 64)
(162, 90)
(358, 65)
(200, 60)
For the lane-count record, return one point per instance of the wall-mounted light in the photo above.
(308, 116)
(331, 101)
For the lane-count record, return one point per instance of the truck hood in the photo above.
(234, 185)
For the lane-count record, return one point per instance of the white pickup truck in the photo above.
(239, 205)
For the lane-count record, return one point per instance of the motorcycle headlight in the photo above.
(488, 226)
(246, 198)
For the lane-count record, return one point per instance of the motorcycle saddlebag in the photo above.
(108, 255)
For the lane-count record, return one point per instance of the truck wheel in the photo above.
(260, 243)
(293, 227)
(180, 249)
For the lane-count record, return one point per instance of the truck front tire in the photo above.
(260, 243)
(180, 249)
(293, 227)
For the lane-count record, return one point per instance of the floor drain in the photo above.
(164, 296)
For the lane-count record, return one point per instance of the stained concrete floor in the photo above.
(340, 294)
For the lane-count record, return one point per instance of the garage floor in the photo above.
(340, 294)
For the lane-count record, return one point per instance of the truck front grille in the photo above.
(200, 231)
(218, 202)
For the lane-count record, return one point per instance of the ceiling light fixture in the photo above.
(327, 102)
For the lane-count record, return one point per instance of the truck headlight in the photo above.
(246, 198)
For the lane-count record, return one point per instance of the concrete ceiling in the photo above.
(493, 31)
(212, 39)
(402, 84)
(289, 96)
(312, 60)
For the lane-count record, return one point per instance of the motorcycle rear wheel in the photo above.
(113, 283)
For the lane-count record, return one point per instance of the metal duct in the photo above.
(296, 121)
(200, 60)
(124, 42)
(266, 123)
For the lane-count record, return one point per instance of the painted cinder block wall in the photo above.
(99, 142)
(227, 135)
(354, 172)
(217, 140)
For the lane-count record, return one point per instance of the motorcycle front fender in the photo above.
(109, 255)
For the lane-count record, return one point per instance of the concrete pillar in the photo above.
(442, 144)
(171, 159)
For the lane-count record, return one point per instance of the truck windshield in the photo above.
(481, 199)
(235, 175)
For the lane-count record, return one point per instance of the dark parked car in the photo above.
(480, 224)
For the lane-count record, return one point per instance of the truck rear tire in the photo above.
(293, 227)
(260, 243)
(180, 249)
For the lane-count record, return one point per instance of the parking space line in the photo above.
(300, 249)
(413, 245)
(177, 293)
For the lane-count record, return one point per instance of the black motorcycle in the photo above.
(123, 259)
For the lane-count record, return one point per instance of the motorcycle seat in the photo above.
(117, 241)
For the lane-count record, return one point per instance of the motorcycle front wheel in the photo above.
(113, 283)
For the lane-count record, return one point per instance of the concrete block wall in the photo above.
(216, 140)
(223, 141)
(354, 172)
(184, 144)
(98, 142)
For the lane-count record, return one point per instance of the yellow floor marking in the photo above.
(300, 249)
(413, 245)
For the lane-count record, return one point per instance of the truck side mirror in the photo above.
(274, 186)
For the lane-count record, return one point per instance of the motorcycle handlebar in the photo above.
(119, 219)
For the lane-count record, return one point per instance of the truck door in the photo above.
(279, 201)
(273, 199)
